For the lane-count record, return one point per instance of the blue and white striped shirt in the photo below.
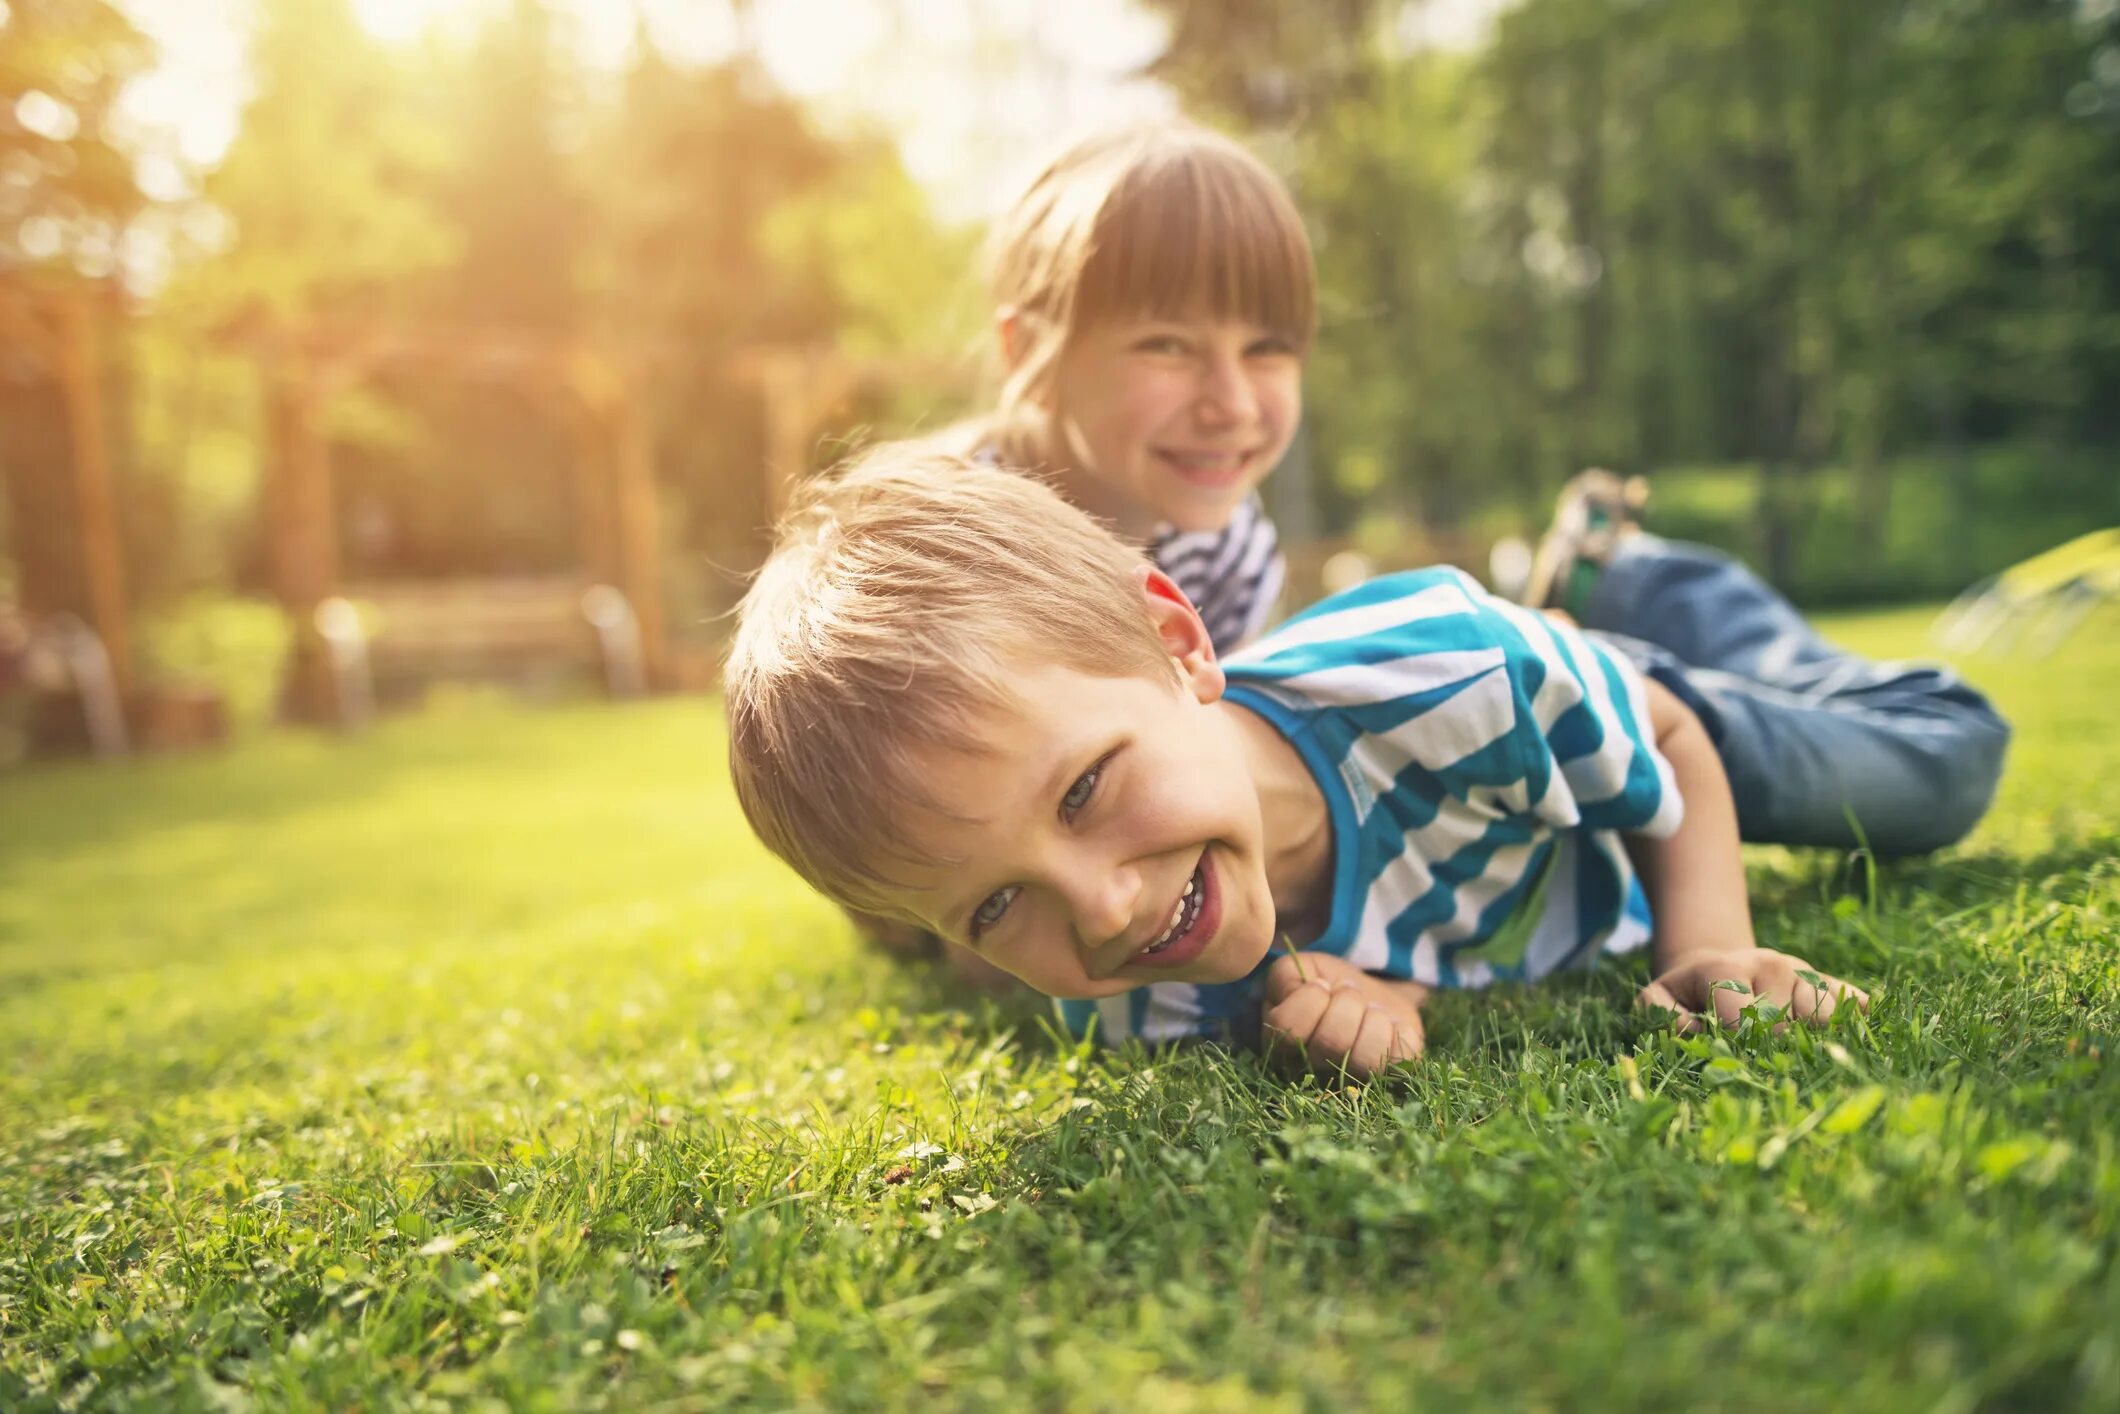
(1477, 759)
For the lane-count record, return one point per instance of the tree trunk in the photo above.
(35, 455)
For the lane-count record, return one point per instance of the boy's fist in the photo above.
(1688, 987)
(1342, 1016)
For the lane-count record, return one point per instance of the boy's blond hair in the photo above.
(904, 596)
(1160, 219)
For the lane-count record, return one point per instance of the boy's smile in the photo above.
(1101, 833)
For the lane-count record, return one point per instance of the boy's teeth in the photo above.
(1177, 915)
(1177, 918)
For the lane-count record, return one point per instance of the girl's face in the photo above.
(1176, 419)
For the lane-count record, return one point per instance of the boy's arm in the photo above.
(1695, 879)
(1330, 1014)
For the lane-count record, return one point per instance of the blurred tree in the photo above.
(476, 478)
(322, 211)
(1657, 233)
(1414, 318)
(727, 221)
(512, 191)
(67, 194)
(1267, 63)
(688, 215)
(327, 188)
(66, 186)
(1819, 230)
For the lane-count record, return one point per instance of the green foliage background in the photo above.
(675, 216)
(1841, 249)
(1851, 258)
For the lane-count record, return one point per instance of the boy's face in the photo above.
(1182, 417)
(1110, 835)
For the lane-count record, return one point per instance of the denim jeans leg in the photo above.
(1822, 747)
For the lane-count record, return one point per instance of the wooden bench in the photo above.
(387, 642)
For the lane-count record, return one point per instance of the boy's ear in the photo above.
(1184, 636)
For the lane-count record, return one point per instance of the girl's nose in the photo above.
(1226, 394)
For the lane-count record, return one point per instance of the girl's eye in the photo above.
(992, 911)
(1085, 787)
(1272, 346)
(1162, 344)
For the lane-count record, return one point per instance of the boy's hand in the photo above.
(1688, 987)
(1342, 1016)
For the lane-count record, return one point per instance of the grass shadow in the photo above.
(1954, 878)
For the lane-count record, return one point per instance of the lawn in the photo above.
(485, 1058)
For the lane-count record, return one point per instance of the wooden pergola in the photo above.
(56, 327)
(613, 491)
(612, 482)
(804, 390)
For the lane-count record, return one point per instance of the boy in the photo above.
(957, 701)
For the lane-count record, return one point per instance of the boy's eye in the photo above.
(1085, 787)
(992, 910)
(996, 904)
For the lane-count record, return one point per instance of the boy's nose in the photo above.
(1103, 904)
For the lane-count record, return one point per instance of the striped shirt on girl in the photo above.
(1233, 575)
(1479, 763)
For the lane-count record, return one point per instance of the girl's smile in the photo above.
(1176, 420)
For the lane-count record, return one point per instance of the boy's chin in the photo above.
(1233, 964)
(1224, 964)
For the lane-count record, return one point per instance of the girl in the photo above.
(1154, 300)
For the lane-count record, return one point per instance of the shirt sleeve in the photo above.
(1226, 1013)
(1584, 746)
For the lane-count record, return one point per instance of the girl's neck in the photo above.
(1092, 494)
(1041, 442)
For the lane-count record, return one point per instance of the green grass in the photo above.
(486, 1059)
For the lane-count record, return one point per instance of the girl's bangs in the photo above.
(1198, 239)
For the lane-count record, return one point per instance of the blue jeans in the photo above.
(1811, 735)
